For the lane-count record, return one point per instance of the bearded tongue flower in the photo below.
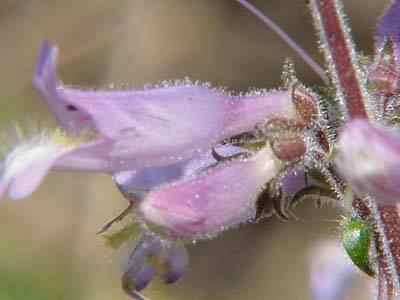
(160, 125)
(211, 200)
(369, 158)
(134, 130)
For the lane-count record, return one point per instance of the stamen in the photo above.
(287, 39)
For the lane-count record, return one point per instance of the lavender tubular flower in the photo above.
(369, 158)
(211, 197)
(134, 130)
(146, 121)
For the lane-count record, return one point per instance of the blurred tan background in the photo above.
(48, 245)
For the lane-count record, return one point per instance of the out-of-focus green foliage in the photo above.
(10, 108)
(37, 279)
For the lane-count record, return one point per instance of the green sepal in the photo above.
(116, 239)
(356, 239)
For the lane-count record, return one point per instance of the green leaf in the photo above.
(356, 239)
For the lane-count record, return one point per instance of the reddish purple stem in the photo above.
(387, 239)
(341, 56)
(390, 218)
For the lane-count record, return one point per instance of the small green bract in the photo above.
(356, 239)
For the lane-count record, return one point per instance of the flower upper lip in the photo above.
(155, 126)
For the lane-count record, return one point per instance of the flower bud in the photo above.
(369, 158)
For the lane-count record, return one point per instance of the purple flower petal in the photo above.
(136, 130)
(138, 279)
(153, 256)
(160, 125)
(139, 182)
(207, 159)
(139, 271)
(332, 272)
(176, 259)
(163, 125)
(293, 182)
(389, 26)
(25, 167)
(205, 204)
(384, 72)
(369, 158)
(46, 82)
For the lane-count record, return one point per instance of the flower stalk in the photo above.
(341, 58)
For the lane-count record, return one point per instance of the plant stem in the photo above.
(341, 57)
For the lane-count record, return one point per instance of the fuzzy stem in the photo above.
(286, 38)
(386, 224)
(341, 57)
(383, 292)
(389, 215)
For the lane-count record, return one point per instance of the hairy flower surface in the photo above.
(159, 125)
(212, 200)
(26, 165)
(138, 129)
(369, 158)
